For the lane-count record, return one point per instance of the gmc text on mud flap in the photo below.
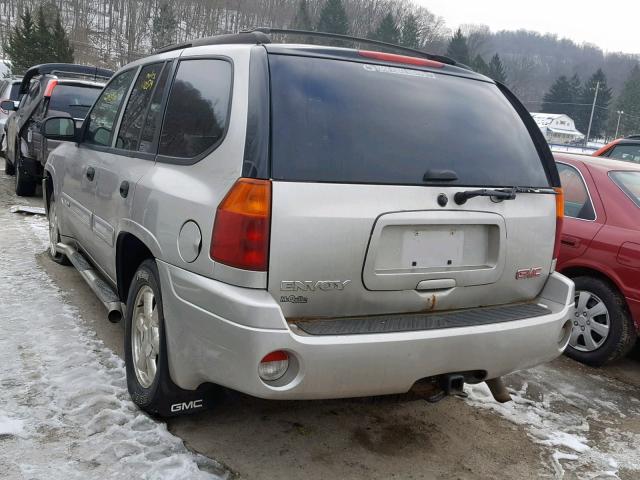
(184, 406)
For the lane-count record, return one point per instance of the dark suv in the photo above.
(56, 89)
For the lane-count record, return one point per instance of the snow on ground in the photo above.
(65, 412)
(588, 422)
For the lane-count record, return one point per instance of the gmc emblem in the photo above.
(181, 407)
(528, 273)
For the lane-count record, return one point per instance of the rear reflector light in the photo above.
(274, 365)
(392, 57)
(240, 235)
(559, 221)
(50, 87)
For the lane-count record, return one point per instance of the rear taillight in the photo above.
(559, 220)
(50, 87)
(240, 235)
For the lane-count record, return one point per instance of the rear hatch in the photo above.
(366, 160)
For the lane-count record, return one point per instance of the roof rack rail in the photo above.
(413, 51)
(251, 37)
(63, 68)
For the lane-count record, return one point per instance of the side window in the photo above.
(105, 111)
(31, 95)
(198, 107)
(577, 203)
(134, 114)
(628, 153)
(154, 113)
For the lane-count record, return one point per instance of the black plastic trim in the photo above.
(421, 321)
(257, 139)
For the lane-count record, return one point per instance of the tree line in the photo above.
(112, 33)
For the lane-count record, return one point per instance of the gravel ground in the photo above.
(65, 412)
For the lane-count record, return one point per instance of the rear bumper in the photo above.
(206, 346)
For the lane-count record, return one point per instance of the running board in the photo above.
(103, 291)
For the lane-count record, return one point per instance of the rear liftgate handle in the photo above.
(124, 189)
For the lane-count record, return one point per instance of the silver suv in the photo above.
(306, 222)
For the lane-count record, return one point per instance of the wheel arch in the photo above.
(580, 270)
(133, 245)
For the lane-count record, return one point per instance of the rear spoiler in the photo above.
(62, 69)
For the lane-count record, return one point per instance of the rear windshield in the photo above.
(339, 121)
(629, 182)
(14, 94)
(73, 99)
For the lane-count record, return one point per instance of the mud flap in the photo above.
(176, 401)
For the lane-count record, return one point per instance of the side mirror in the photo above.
(8, 105)
(59, 128)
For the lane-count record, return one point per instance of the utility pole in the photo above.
(593, 108)
(620, 113)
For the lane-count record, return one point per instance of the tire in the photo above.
(54, 233)
(155, 394)
(25, 187)
(9, 169)
(599, 303)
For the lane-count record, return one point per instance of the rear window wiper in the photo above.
(498, 194)
(502, 194)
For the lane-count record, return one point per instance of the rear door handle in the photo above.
(91, 173)
(124, 189)
(569, 241)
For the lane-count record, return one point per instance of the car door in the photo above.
(81, 160)
(583, 214)
(17, 119)
(132, 155)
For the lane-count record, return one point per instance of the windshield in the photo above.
(340, 121)
(629, 182)
(73, 99)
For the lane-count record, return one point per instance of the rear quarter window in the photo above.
(340, 121)
(197, 111)
(73, 99)
(629, 183)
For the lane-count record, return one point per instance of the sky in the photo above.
(613, 25)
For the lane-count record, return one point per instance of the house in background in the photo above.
(557, 127)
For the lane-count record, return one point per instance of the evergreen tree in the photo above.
(410, 36)
(575, 85)
(165, 26)
(60, 45)
(629, 103)
(458, 48)
(496, 70)
(333, 19)
(42, 45)
(480, 66)
(559, 97)
(19, 48)
(601, 111)
(387, 30)
(302, 20)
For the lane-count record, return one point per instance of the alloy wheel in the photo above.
(591, 322)
(145, 336)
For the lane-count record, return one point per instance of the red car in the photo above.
(600, 251)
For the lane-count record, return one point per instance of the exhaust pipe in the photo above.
(498, 390)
